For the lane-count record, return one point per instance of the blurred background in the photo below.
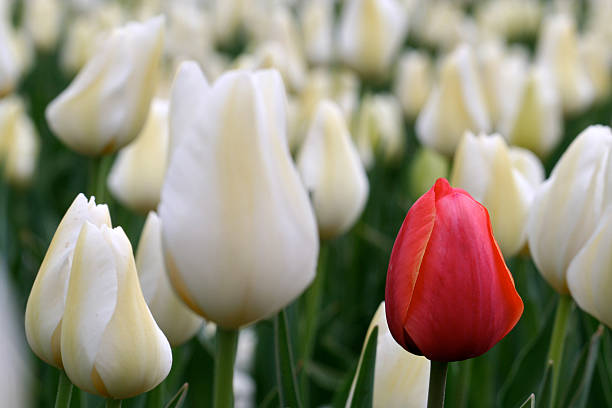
(381, 67)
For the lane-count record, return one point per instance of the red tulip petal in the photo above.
(464, 300)
(403, 270)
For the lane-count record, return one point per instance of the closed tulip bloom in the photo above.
(332, 172)
(558, 53)
(106, 105)
(598, 61)
(111, 345)
(400, 379)
(568, 206)
(175, 319)
(413, 82)
(10, 68)
(532, 117)
(449, 294)
(588, 276)
(484, 168)
(317, 23)
(370, 34)
(42, 19)
(456, 104)
(236, 151)
(45, 307)
(137, 175)
(511, 19)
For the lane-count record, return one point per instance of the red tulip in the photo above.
(449, 294)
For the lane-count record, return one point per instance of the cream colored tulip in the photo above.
(532, 117)
(45, 307)
(510, 19)
(569, 205)
(43, 19)
(332, 172)
(137, 175)
(401, 379)
(379, 129)
(588, 276)
(413, 81)
(111, 345)
(597, 59)
(370, 35)
(484, 168)
(558, 53)
(10, 68)
(317, 22)
(190, 31)
(456, 104)
(440, 24)
(106, 105)
(228, 18)
(239, 234)
(175, 319)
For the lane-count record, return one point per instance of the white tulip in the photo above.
(10, 67)
(483, 166)
(137, 175)
(332, 172)
(568, 206)
(175, 319)
(588, 276)
(413, 81)
(510, 19)
(370, 34)
(190, 31)
(228, 18)
(558, 53)
(440, 24)
(401, 379)
(598, 63)
(111, 345)
(42, 19)
(239, 234)
(317, 22)
(456, 104)
(45, 307)
(106, 105)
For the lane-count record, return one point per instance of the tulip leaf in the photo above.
(582, 382)
(529, 402)
(364, 384)
(544, 392)
(179, 398)
(288, 391)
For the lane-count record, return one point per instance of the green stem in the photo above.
(227, 341)
(437, 384)
(113, 403)
(155, 397)
(557, 341)
(64, 391)
(97, 177)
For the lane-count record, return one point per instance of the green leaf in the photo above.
(288, 391)
(582, 392)
(529, 402)
(544, 392)
(364, 384)
(179, 398)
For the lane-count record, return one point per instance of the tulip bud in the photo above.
(379, 129)
(45, 307)
(532, 117)
(175, 319)
(413, 82)
(441, 25)
(137, 175)
(449, 294)
(567, 207)
(483, 167)
(105, 107)
(400, 379)
(317, 21)
(597, 60)
(42, 19)
(588, 275)
(19, 144)
(558, 53)
(332, 172)
(189, 31)
(111, 345)
(456, 104)
(426, 167)
(9, 58)
(510, 19)
(236, 151)
(371, 34)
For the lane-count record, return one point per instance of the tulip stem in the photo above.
(64, 391)
(557, 341)
(97, 177)
(437, 384)
(113, 403)
(225, 356)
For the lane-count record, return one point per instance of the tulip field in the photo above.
(296, 203)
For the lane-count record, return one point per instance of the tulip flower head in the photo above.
(239, 233)
(449, 295)
(45, 307)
